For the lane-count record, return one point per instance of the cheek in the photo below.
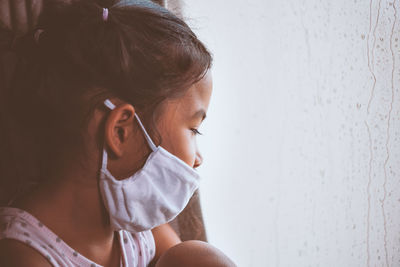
(181, 143)
(189, 151)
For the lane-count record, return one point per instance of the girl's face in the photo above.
(179, 125)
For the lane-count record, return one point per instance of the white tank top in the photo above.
(137, 249)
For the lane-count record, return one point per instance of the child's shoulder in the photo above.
(14, 253)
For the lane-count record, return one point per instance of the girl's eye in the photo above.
(195, 131)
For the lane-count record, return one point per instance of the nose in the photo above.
(198, 160)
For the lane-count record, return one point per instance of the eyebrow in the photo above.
(200, 113)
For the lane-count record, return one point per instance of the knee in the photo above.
(194, 254)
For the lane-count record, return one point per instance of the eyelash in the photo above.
(195, 131)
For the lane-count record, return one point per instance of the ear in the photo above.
(119, 127)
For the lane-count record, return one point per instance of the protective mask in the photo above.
(152, 196)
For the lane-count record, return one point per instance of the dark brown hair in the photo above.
(142, 54)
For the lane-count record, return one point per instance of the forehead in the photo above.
(196, 98)
(199, 94)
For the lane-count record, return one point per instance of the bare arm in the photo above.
(164, 237)
(14, 253)
(194, 253)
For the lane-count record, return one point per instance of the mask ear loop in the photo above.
(111, 106)
(146, 135)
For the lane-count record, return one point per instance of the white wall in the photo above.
(301, 146)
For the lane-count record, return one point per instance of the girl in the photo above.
(100, 123)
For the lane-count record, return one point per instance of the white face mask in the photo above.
(152, 196)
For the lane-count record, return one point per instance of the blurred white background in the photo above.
(301, 146)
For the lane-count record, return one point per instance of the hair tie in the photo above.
(105, 14)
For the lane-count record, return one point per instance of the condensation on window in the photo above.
(302, 143)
